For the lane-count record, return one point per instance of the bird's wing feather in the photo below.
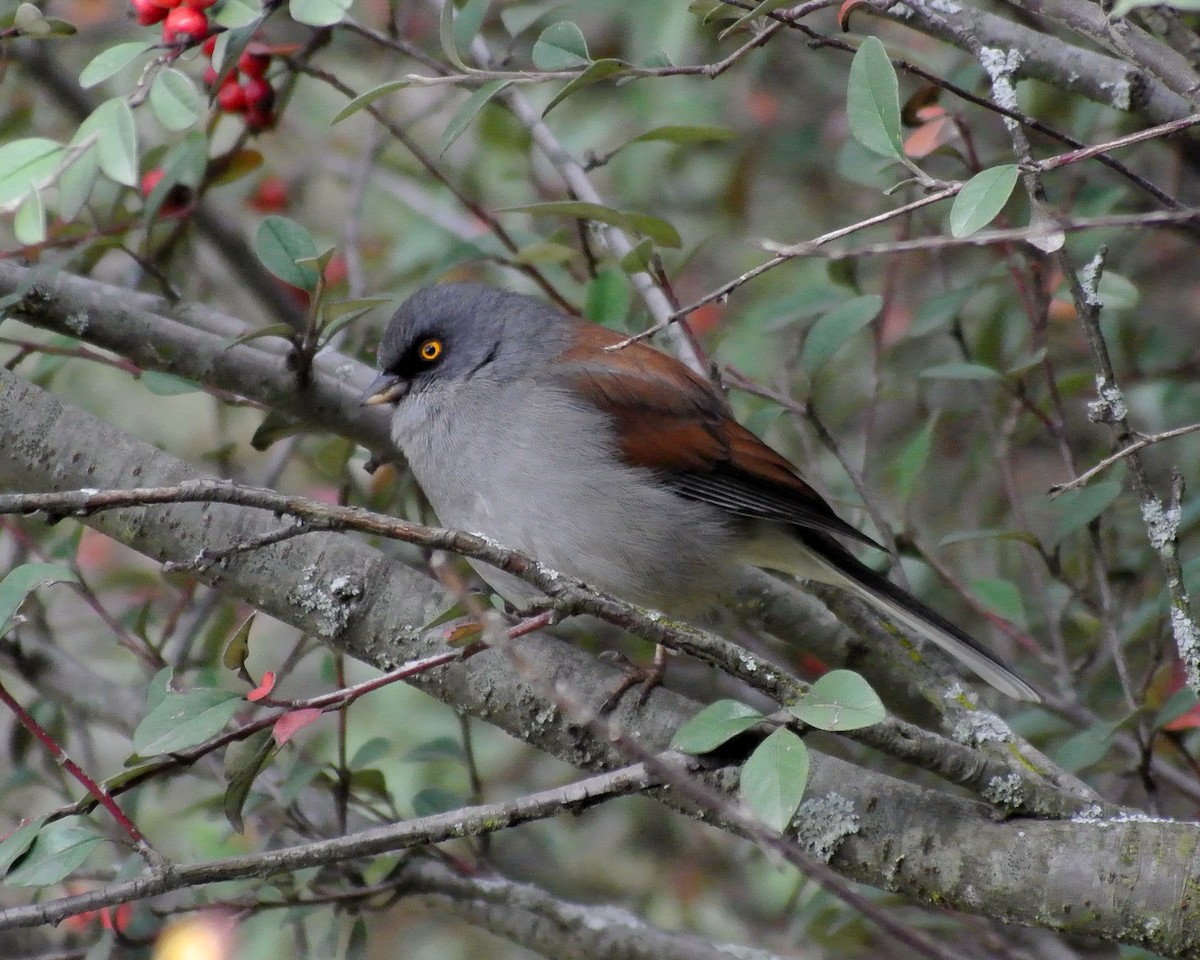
(672, 421)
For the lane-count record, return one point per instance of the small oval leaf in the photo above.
(111, 61)
(183, 720)
(712, 726)
(981, 199)
(774, 778)
(840, 700)
(279, 243)
(873, 100)
(831, 332)
(560, 47)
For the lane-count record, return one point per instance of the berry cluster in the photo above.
(183, 21)
(245, 89)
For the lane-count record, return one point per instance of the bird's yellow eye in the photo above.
(430, 350)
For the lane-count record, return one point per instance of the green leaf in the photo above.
(713, 726)
(607, 299)
(657, 230)
(435, 800)
(111, 61)
(59, 850)
(22, 581)
(639, 258)
(1179, 703)
(16, 843)
(832, 331)
(910, 464)
(765, 7)
(683, 133)
(175, 100)
(439, 748)
(936, 312)
(774, 778)
(840, 700)
(965, 536)
(236, 14)
(1002, 597)
(873, 100)
(547, 252)
(183, 164)
(183, 720)
(368, 97)
(1077, 508)
(318, 13)
(279, 243)
(467, 22)
(25, 164)
(75, 183)
(167, 384)
(561, 47)
(113, 122)
(960, 371)
(244, 761)
(1118, 292)
(981, 199)
(593, 74)
(471, 106)
(1086, 747)
(520, 17)
(29, 223)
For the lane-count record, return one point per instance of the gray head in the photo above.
(456, 331)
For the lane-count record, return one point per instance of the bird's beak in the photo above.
(385, 388)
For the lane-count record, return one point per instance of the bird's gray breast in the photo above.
(534, 467)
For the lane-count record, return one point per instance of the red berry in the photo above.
(254, 64)
(259, 119)
(231, 97)
(148, 12)
(150, 180)
(183, 24)
(259, 93)
(271, 195)
(210, 76)
(167, 4)
(210, 45)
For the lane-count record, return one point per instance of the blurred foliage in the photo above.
(954, 380)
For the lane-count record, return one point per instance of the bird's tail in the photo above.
(848, 573)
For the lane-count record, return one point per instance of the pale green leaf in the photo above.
(840, 700)
(25, 164)
(561, 47)
(279, 243)
(29, 223)
(832, 331)
(593, 74)
(713, 726)
(774, 777)
(318, 13)
(471, 106)
(175, 100)
(981, 199)
(183, 720)
(111, 61)
(873, 100)
(19, 582)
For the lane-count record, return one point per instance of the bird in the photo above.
(617, 465)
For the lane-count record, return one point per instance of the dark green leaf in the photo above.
(774, 778)
(657, 230)
(183, 720)
(560, 47)
(910, 465)
(244, 761)
(607, 299)
(593, 74)
(873, 100)
(16, 843)
(471, 106)
(712, 726)
(279, 243)
(1077, 508)
(832, 331)
(75, 183)
(434, 800)
(59, 850)
(981, 199)
(368, 97)
(840, 700)
(467, 22)
(960, 371)
(1180, 702)
(440, 748)
(1086, 747)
